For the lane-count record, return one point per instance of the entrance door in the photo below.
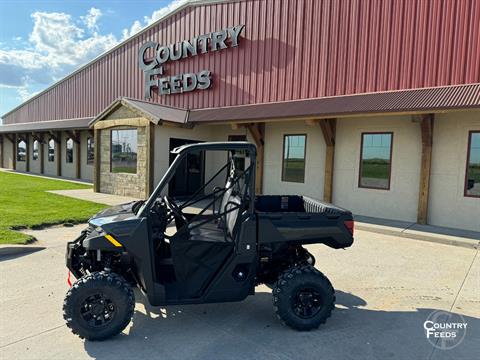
(189, 176)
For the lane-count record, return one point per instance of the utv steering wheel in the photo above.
(179, 216)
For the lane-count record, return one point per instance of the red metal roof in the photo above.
(154, 112)
(289, 50)
(413, 101)
(418, 100)
(69, 124)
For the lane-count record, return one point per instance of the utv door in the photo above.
(212, 267)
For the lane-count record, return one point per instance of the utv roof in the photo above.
(223, 145)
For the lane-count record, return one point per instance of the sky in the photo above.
(43, 41)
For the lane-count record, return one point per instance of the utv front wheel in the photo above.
(303, 298)
(99, 305)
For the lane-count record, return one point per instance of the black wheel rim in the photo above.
(97, 310)
(306, 303)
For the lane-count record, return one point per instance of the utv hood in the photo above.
(113, 214)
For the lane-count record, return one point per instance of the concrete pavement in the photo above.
(90, 195)
(386, 288)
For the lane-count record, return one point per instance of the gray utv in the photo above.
(215, 245)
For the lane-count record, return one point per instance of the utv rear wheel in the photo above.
(303, 298)
(99, 305)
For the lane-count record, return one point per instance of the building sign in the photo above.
(153, 68)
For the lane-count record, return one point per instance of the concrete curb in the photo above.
(420, 235)
(9, 250)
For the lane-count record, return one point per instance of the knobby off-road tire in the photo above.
(99, 305)
(303, 298)
(309, 260)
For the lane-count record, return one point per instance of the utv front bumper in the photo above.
(72, 255)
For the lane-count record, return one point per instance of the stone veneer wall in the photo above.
(123, 184)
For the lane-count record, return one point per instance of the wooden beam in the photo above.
(426, 128)
(105, 124)
(257, 131)
(328, 130)
(10, 138)
(312, 122)
(97, 160)
(328, 127)
(149, 178)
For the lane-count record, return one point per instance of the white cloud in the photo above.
(136, 27)
(147, 20)
(91, 19)
(63, 43)
(56, 46)
(24, 94)
(157, 14)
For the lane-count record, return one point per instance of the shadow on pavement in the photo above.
(16, 251)
(250, 330)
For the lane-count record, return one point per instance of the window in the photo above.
(35, 150)
(21, 150)
(375, 160)
(293, 168)
(123, 151)
(69, 151)
(90, 150)
(51, 150)
(472, 178)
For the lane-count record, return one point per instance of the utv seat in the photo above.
(225, 230)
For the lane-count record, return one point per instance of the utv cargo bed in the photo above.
(302, 220)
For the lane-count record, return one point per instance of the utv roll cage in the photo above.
(232, 184)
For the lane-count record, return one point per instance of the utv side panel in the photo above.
(237, 279)
(197, 261)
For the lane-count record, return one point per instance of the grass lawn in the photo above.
(24, 203)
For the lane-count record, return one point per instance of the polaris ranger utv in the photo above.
(215, 245)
